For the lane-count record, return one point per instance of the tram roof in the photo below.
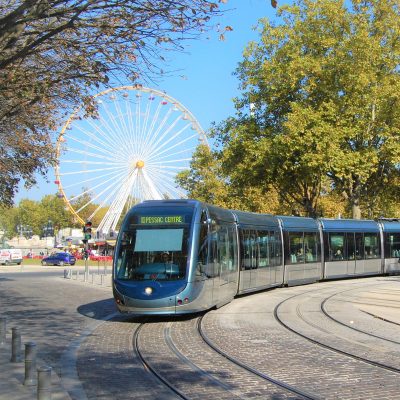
(296, 224)
(220, 214)
(390, 225)
(254, 219)
(158, 203)
(349, 225)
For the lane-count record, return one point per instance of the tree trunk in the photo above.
(356, 210)
(309, 208)
(354, 198)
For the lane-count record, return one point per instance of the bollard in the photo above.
(92, 278)
(30, 364)
(15, 345)
(65, 274)
(3, 328)
(101, 279)
(44, 383)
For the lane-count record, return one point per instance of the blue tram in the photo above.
(184, 256)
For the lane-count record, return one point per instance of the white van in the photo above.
(10, 256)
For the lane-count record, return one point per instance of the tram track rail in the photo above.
(148, 367)
(328, 315)
(252, 370)
(208, 379)
(319, 328)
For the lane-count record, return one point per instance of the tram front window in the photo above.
(158, 254)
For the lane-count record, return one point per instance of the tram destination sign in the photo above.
(161, 219)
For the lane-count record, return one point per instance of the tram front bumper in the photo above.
(147, 307)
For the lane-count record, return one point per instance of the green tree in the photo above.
(207, 181)
(84, 207)
(29, 213)
(53, 209)
(203, 181)
(320, 105)
(53, 54)
(7, 221)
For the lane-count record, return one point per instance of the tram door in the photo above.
(351, 251)
(359, 240)
(223, 256)
(249, 259)
(355, 252)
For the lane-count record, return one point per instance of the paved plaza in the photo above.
(88, 344)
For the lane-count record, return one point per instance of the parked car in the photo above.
(10, 256)
(59, 259)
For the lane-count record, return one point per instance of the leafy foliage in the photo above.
(54, 53)
(319, 115)
(206, 181)
(36, 215)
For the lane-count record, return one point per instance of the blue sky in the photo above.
(204, 82)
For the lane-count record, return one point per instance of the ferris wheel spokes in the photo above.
(155, 195)
(88, 191)
(95, 133)
(103, 146)
(131, 152)
(115, 209)
(108, 197)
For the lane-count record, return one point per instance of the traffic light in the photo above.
(87, 230)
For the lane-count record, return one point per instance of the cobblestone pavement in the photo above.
(90, 349)
(262, 342)
(53, 312)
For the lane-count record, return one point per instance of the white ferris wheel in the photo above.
(132, 152)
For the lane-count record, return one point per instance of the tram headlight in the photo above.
(148, 291)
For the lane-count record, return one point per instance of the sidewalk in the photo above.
(98, 276)
(95, 276)
(13, 375)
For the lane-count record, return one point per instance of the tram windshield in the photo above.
(157, 253)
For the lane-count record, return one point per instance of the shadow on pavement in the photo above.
(98, 309)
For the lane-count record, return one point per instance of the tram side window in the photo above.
(359, 240)
(392, 245)
(351, 246)
(311, 245)
(202, 257)
(275, 248)
(125, 260)
(232, 253)
(263, 241)
(249, 243)
(213, 264)
(337, 247)
(371, 245)
(296, 248)
(225, 253)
